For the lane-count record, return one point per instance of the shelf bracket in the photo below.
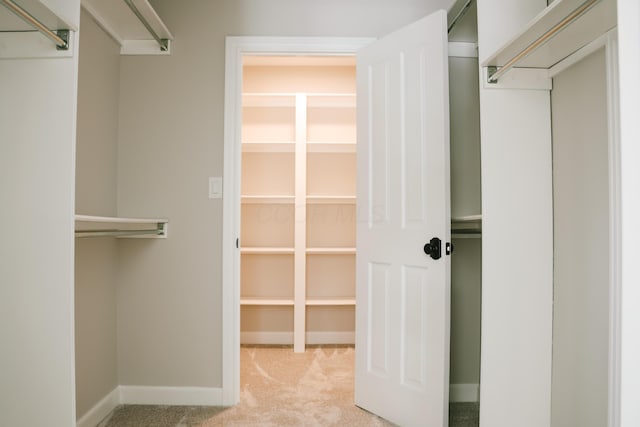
(59, 37)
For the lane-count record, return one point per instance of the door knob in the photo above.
(433, 248)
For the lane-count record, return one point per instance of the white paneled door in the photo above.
(403, 293)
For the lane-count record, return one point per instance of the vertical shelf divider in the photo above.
(300, 228)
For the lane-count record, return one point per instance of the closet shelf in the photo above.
(330, 301)
(331, 251)
(271, 200)
(108, 226)
(266, 301)
(544, 41)
(266, 250)
(134, 24)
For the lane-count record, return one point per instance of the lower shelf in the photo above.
(266, 301)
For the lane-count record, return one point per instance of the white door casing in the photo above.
(402, 295)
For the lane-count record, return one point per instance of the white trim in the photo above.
(236, 47)
(615, 227)
(100, 410)
(286, 338)
(464, 392)
(146, 395)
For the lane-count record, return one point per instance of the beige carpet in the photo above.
(278, 388)
(281, 388)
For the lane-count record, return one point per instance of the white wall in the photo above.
(581, 245)
(96, 266)
(629, 375)
(37, 148)
(517, 243)
(170, 142)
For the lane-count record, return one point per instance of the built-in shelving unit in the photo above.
(298, 215)
(134, 24)
(562, 28)
(108, 226)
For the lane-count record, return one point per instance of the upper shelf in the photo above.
(109, 226)
(120, 21)
(549, 41)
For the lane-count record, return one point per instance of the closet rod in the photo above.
(495, 73)
(164, 43)
(117, 233)
(460, 14)
(60, 38)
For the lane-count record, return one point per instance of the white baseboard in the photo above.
(286, 338)
(100, 409)
(144, 395)
(464, 392)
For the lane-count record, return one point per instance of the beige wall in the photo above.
(581, 245)
(96, 178)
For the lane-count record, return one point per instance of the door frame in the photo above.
(236, 48)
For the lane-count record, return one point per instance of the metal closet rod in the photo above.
(495, 73)
(61, 38)
(164, 43)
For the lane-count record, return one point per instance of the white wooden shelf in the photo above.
(120, 22)
(270, 200)
(259, 301)
(266, 250)
(331, 200)
(331, 301)
(593, 23)
(108, 226)
(331, 251)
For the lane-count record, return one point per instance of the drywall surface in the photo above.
(170, 142)
(96, 179)
(37, 148)
(629, 96)
(517, 241)
(581, 245)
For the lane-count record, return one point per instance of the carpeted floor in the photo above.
(280, 388)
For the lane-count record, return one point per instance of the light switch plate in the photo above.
(215, 187)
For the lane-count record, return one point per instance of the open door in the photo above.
(402, 278)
